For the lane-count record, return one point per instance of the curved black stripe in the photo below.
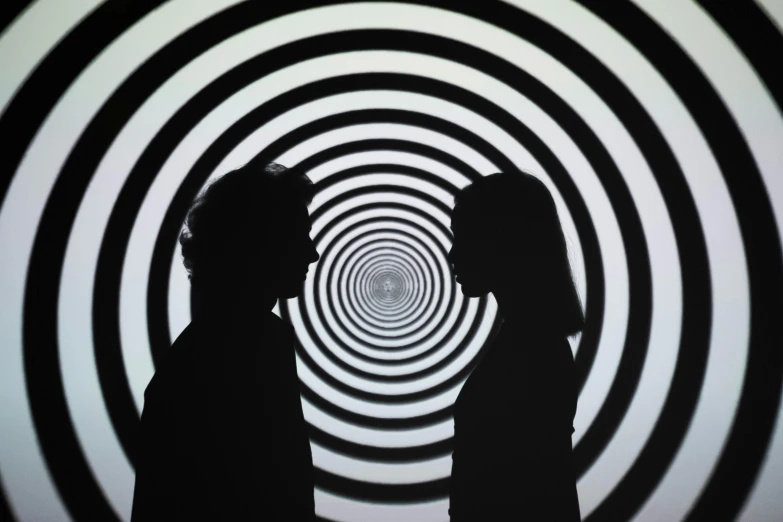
(742, 455)
(585, 354)
(340, 260)
(344, 346)
(366, 274)
(9, 12)
(411, 147)
(357, 303)
(367, 267)
(386, 168)
(40, 91)
(378, 454)
(175, 69)
(381, 423)
(404, 82)
(166, 241)
(156, 153)
(347, 174)
(445, 337)
(5, 507)
(773, 376)
(366, 289)
(211, 158)
(378, 81)
(330, 303)
(346, 197)
(21, 120)
(400, 398)
(386, 493)
(624, 385)
(363, 208)
(378, 278)
(757, 37)
(357, 172)
(680, 205)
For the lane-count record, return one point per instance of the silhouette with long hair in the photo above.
(513, 418)
(222, 432)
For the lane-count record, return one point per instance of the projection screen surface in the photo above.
(656, 124)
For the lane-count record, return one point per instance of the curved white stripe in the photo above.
(179, 286)
(22, 45)
(32, 36)
(368, 304)
(407, 387)
(602, 41)
(357, 159)
(382, 198)
(608, 234)
(369, 131)
(351, 510)
(341, 286)
(429, 20)
(774, 11)
(761, 125)
(726, 264)
(350, 247)
(366, 310)
(22, 468)
(602, 353)
(376, 437)
(331, 69)
(443, 400)
(344, 244)
(381, 472)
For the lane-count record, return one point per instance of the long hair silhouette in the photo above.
(513, 417)
(516, 217)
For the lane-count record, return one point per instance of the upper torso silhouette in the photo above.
(513, 424)
(222, 432)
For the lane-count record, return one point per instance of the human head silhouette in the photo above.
(508, 241)
(247, 236)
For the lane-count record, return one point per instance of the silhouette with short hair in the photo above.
(513, 418)
(222, 432)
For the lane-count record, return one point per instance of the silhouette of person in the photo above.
(222, 432)
(513, 417)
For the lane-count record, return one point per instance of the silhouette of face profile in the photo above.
(247, 237)
(296, 252)
(472, 254)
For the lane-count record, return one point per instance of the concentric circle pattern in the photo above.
(657, 126)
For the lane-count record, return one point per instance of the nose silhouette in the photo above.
(450, 255)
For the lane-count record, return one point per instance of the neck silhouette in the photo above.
(232, 301)
(522, 308)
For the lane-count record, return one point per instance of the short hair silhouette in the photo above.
(223, 435)
(243, 209)
(517, 213)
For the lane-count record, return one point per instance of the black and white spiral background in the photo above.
(657, 126)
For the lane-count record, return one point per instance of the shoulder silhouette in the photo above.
(222, 434)
(513, 417)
